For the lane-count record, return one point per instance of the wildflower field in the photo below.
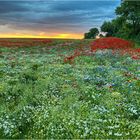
(72, 89)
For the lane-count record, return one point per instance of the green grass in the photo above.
(96, 97)
(137, 45)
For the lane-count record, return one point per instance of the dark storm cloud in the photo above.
(66, 16)
(10, 6)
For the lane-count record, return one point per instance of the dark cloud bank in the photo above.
(56, 16)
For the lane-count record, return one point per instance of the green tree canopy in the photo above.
(130, 12)
(93, 32)
(108, 27)
(127, 22)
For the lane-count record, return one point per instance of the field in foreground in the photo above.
(42, 96)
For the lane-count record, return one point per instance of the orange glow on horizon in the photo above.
(43, 35)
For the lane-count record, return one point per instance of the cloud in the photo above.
(55, 16)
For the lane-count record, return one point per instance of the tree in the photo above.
(93, 32)
(112, 27)
(108, 28)
(130, 11)
(127, 22)
(87, 35)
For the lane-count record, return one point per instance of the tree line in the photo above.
(126, 25)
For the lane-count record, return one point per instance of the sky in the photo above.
(53, 18)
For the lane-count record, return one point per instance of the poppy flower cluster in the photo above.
(111, 43)
(24, 43)
(116, 45)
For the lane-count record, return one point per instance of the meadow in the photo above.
(60, 89)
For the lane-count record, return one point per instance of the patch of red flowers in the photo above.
(111, 43)
(117, 45)
(24, 42)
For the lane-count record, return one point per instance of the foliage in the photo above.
(112, 28)
(127, 23)
(130, 11)
(109, 28)
(92, 33)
